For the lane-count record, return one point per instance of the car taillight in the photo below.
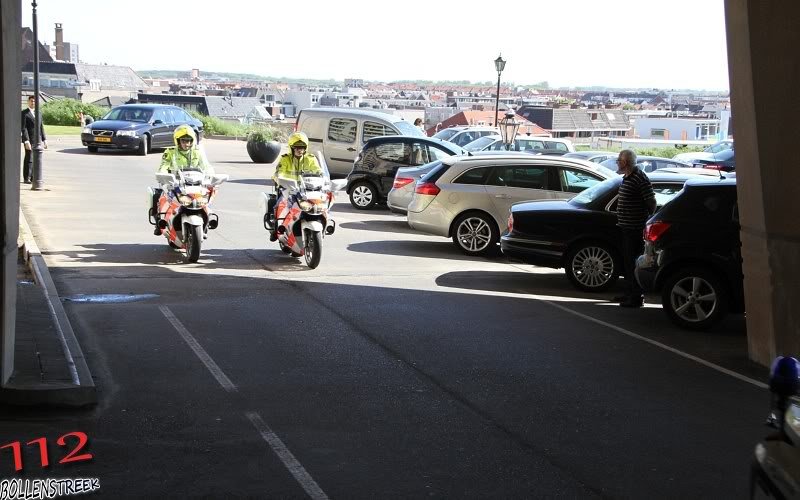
(510, 222)
(428, 188)
(654, 231)
(402, 181)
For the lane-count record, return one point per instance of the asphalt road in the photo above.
(397, 369)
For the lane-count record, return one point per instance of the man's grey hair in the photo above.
(629, 155)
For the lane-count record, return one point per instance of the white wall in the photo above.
(678, 128)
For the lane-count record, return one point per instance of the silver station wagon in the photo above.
(468, 198)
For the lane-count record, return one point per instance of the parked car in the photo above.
(699, 171)
(138, 126)
(467, 198)
(693, 254)
(340, 133)
(708, 153)
(580, 235)
(593, 156)
(405, 181)
(461, 136)
(648, 163)
(724, 161)
(373, 172)
(527, 144)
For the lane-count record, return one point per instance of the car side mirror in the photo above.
(165, 179)
(157, 122)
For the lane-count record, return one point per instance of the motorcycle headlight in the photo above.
(128, 133)
(305, 206)
(185, 199)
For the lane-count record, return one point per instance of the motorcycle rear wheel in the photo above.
(194, 238)
(313, 248)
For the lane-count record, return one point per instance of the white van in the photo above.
(340, 133)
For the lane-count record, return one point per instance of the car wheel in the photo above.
(144, 145)
(694, 298)
(363, 196)
(92, 149)
(475, 233)
(590, 266)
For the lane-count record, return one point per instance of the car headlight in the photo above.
(128, 133)
(87, 130)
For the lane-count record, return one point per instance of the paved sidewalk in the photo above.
(49, 368)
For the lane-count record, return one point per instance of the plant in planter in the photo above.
(264, 144)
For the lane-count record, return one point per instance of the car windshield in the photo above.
(445, 134)
(481, 143)
(726, 155)
(598, 190)
(141, 115)
(406, 128)
(716, 148)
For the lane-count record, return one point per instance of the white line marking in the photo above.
(662, 346)
(201, 353)
(292, 465)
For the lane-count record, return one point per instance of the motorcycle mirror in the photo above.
(218, 179)
(338, 184)
(784, 376)
(165, 178)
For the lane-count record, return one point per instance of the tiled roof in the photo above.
(111, 77)
(581, 119)
(231, 107)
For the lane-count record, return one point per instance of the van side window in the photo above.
(372, 129)
(342, 130)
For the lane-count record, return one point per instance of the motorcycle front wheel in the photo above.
(313, 248)
(194, 238)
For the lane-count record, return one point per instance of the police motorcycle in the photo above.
(183, 208)
(302, 213)
(775, 472)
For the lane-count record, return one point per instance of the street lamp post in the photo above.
(499, 65)
(36, 173)
(508, 128)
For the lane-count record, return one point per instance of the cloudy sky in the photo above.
(617, 43)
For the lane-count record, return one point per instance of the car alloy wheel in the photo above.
(694, 298)
(474, 234)
(362, 196)
(591, 267)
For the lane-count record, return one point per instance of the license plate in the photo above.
(102, 139)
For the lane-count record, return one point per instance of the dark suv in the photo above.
(373, 172)
(693, 254)
(140, 127)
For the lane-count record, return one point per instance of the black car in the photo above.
(724, 161)
(138, 126)
(693, 254)
(373, 172)
(580, 235)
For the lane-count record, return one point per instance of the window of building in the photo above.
(658, 132)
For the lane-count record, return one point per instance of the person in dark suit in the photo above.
(28, 129)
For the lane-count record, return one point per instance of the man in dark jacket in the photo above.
(28, 129)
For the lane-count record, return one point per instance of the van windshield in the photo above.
(406, 128)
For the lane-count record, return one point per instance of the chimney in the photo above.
(59, 42)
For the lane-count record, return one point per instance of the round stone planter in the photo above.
(263, 152)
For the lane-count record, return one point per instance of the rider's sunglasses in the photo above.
(186, 139)
(299, 147)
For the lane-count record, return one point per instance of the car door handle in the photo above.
(503, 196)
(351, 149)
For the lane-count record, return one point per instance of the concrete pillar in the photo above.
(763, 67)
(10, 125)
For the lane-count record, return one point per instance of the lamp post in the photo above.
(499, 65)
(508, 128)
(37, 183)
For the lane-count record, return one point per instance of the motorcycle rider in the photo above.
(185, 155)
(291, 165)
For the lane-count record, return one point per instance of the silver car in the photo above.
(405, 180)
(468, 198)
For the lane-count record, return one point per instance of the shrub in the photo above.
(64, 111)
(266, 134)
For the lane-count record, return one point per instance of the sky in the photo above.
(666, 44)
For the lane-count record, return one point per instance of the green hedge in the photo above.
(215, 126)
(665, 152)
(64, 111)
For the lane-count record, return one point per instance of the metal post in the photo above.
(36, 173)
(497, 100)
